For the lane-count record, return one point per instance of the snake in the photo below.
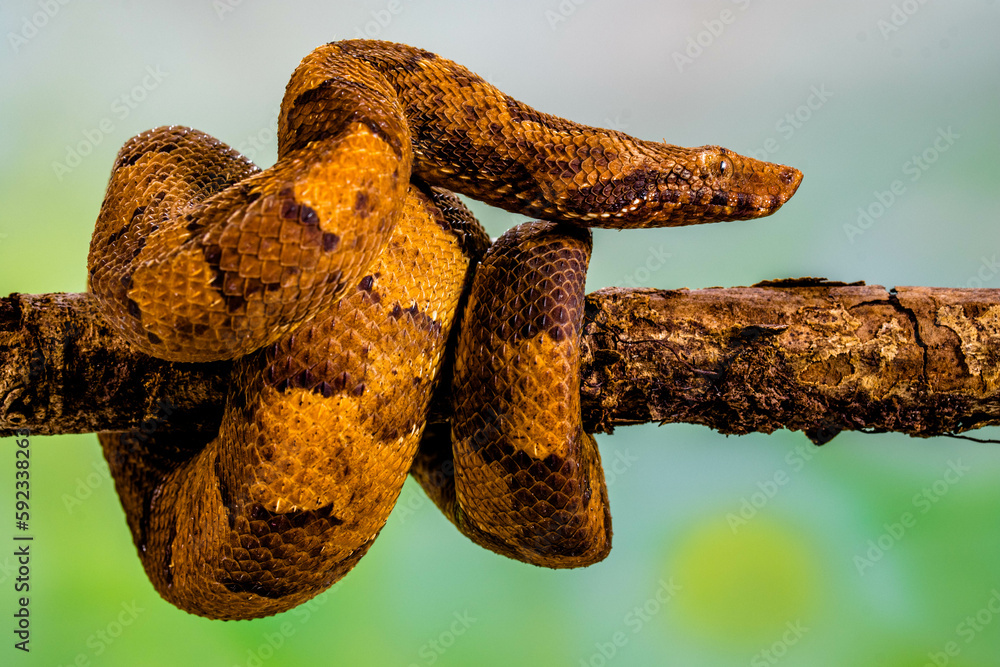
(353, 289)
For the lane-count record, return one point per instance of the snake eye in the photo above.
(724, 168)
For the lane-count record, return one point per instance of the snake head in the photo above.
(737, 187)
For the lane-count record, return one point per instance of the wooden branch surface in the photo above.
(800, 354)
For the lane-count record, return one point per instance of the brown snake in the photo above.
(335, 277)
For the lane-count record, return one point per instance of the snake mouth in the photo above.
(762, 194)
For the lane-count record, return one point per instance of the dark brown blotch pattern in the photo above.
(528, 290)
(533, 274)
(266, 547)
(231, 220)
(329, 110)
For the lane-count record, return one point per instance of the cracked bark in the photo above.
(802, 354)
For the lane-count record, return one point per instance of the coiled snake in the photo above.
(335, 277)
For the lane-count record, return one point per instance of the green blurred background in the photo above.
(819, 574)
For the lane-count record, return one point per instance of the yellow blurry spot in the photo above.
(743, 587)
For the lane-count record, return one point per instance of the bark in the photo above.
(62, 370)
(801, 354)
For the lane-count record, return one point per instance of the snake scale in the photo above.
(348, 283)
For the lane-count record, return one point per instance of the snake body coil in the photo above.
(334, 277)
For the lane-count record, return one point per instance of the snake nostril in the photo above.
(790, 178)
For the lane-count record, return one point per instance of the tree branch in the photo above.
(62, 370)
(800, 354)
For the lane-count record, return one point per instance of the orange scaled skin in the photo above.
(334, 278)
